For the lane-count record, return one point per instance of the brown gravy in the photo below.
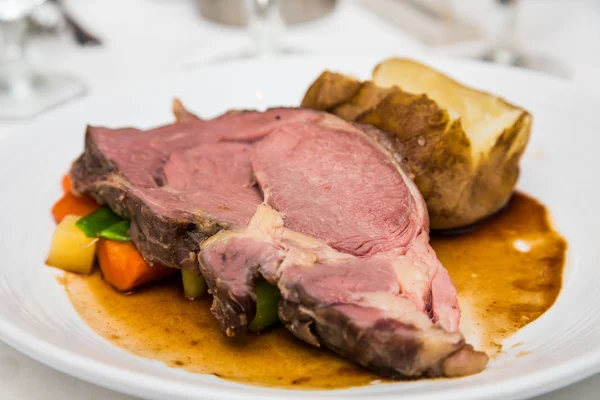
(501, 290)
(508, 272)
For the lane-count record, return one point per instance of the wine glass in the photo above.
(25, 92)
(265, 28)
(504, 50)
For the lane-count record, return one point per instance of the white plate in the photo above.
(559, 169)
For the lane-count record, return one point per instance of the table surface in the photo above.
(179, 38)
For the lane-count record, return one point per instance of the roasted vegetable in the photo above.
(95, 222)
(66, 184)
(74, 205)
(71, 249)
(193, 285)
(462, 146)
(106, 224)
(267, 301)
(118, 232)
(124, 267)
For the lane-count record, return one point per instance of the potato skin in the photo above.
(329, 90)
(459, 187)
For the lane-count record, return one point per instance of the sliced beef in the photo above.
(353, 196)
(344, 237)
(349, 304)
(181, 183)
(308, 202)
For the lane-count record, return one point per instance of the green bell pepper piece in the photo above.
(97, 221)
(193, 286)
(118, 232)
(267, 302)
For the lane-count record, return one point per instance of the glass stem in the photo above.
(503, 50)
(15, 74)
(264, 23)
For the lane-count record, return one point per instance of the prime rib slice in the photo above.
(181, 183)
(310, 203)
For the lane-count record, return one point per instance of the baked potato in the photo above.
(462, 146)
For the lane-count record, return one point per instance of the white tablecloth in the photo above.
(145, 38)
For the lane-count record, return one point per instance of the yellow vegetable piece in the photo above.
(71, 249)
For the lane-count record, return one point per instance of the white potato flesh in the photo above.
(71, 250)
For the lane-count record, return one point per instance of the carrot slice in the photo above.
(124, 267)
(71, 204)
(66, 184)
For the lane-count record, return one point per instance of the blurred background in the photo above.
(54, 51)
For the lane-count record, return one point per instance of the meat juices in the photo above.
(342, 231)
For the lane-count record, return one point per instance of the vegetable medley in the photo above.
(87, 232)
